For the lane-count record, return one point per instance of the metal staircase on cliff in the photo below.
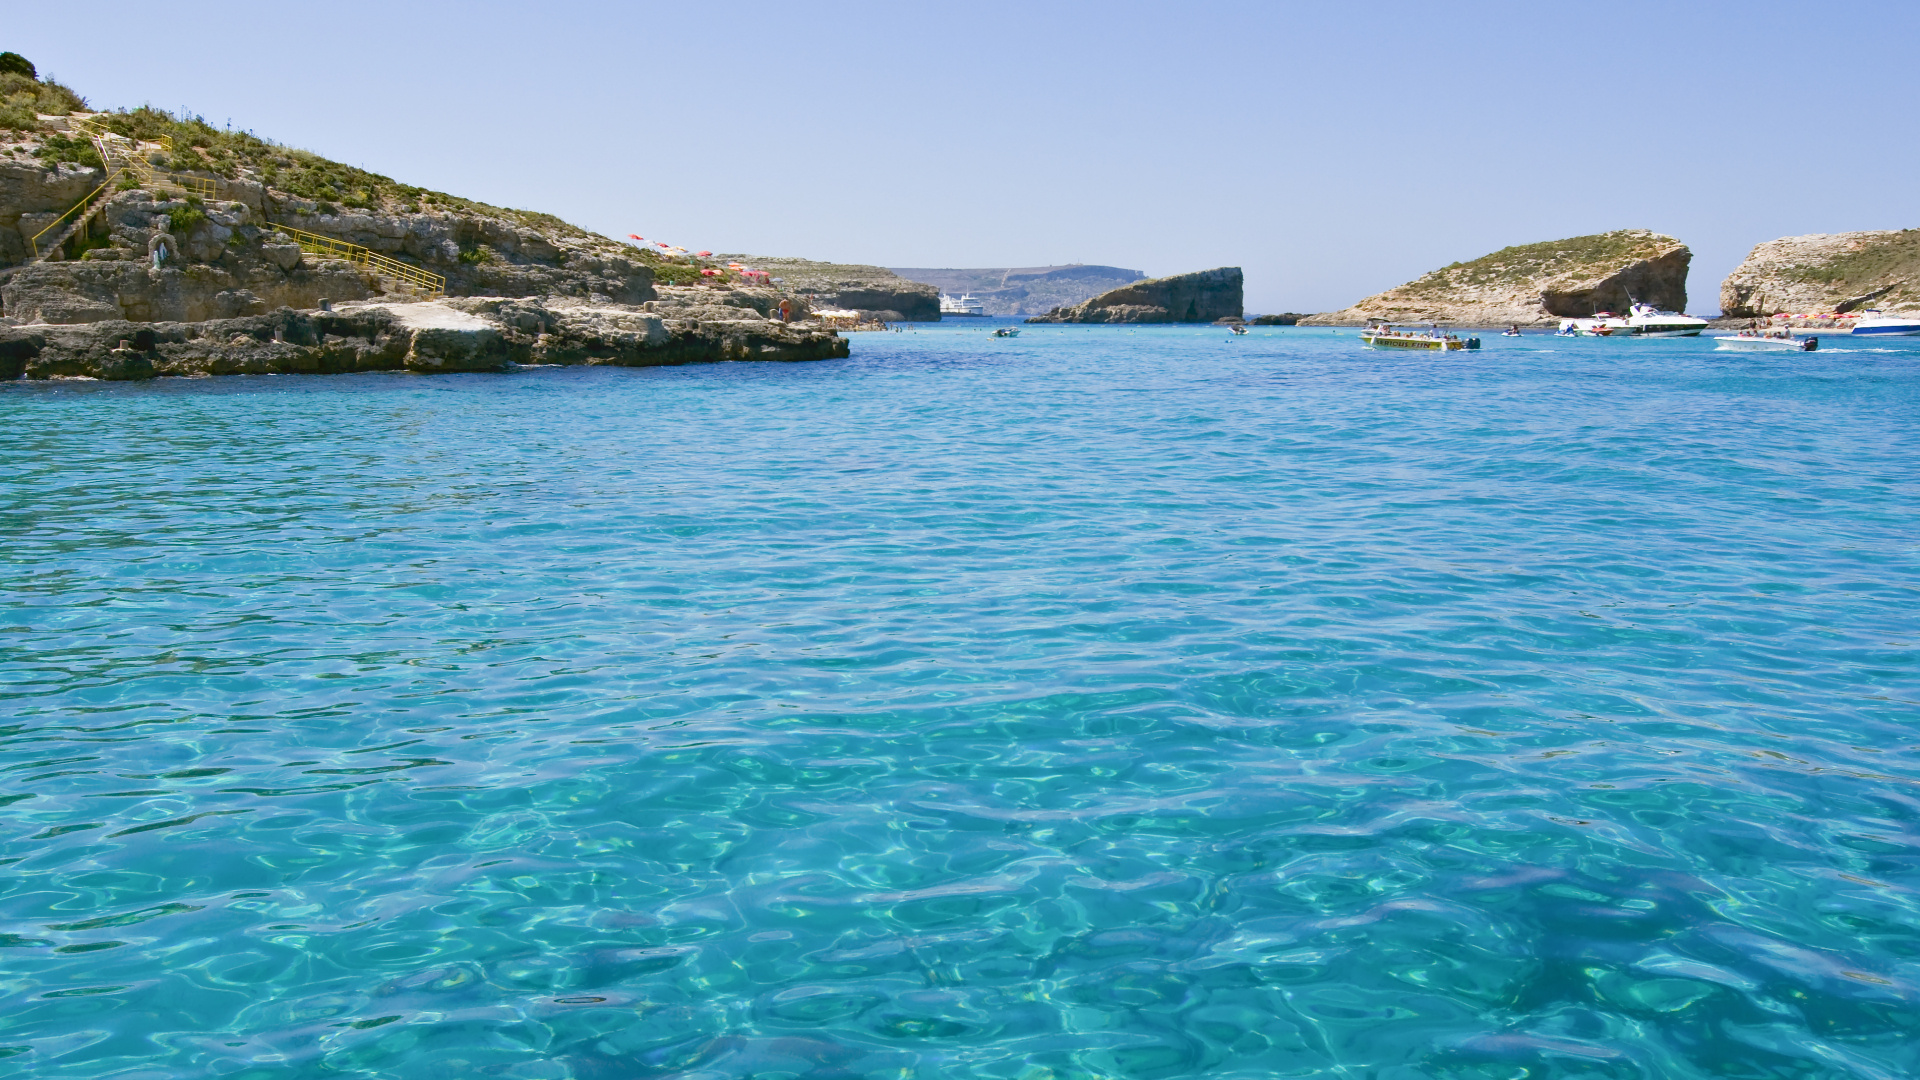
(122, 157)
(402, 277)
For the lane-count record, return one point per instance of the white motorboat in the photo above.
(1874, 322)
(1767, 341)
(963, 306)
(1649, 321)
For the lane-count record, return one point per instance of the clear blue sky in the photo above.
(1332, 149)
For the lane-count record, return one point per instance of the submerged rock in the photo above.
(1826, 272)
(1203, 296)
(1536, 284)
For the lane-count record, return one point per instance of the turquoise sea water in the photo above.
(1099, 703)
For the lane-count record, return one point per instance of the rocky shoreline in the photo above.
(164, 282)
(683, 326)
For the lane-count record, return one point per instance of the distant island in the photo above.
(1203, 296)
(1536, 284)
(1029, 290)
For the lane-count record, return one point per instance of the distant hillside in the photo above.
(871, 290)
(1031, 290)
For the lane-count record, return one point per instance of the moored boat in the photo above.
(1878, 323)
(1383, 335)
(1603, 324)
(1007, 331)
(1646, 320)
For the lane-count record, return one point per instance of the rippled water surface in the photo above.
(1091, 704)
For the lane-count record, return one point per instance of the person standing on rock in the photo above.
(786, 311)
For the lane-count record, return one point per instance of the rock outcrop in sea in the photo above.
(1536, 284)
(185, 265)
(1203, 296)
(1029, 290)
(1826, 273)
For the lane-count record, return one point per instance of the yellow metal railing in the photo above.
(123, 154)
(405, 273)
(85, 208)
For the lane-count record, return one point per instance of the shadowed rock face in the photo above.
(1824, 272)
(1199, 297)
(1536, 284)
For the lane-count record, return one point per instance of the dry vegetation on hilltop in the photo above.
(1549, 259)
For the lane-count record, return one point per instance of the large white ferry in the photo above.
(963, 306)
(1874, 322)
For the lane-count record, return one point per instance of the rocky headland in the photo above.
(1029, 290)
(1203, 296)
(1826, 273)
(186, 266)
(874, 291)
(1536, 284)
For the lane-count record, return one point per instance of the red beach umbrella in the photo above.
(661, 243)
(635, 236)
(703, 254)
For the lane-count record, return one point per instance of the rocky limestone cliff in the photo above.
(1199, 297)
(874, 291)
(1536, 284)
(685, 325)
(216, 281)
(1822, 273)
(1031, 290)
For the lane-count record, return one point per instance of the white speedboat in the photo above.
(1649, 321)
(1767, 341)
(1874, 322)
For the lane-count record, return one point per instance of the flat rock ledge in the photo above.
(454, 335)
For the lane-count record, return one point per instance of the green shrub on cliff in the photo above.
(24, 98)
(58, 148)
(182, 219)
